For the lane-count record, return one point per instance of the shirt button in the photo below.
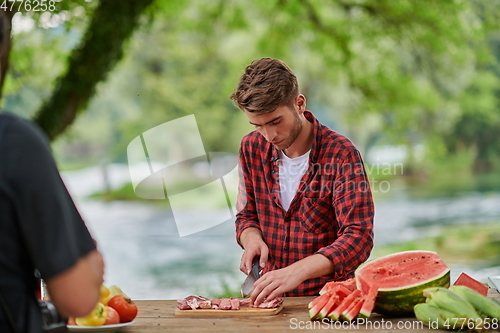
(287, 219)
(285, 249)
(273, 171)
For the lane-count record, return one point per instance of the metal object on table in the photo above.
(247, 286)
(494, 282)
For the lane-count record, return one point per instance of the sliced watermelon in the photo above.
(343, 292)
(349, 284)
(352, 311)
(317, 304)
(314, 301)
(468, 281)
(401, 278)
(368, 303)
(364, 285)
(335, 314)
(329, 306)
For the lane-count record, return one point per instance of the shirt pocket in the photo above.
(317, 214)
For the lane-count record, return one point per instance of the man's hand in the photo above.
(254, 245)
(275, 283)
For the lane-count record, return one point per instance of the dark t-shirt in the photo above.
(40, 227)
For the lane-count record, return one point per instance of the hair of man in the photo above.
(265, 85)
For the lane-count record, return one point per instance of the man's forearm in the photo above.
(75, 291)
(249, 235)
(313, 266)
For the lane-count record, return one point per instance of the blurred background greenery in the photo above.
(410, 73)
(418, 80)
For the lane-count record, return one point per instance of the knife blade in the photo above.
(246, 287)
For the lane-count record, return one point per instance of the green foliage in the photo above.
(124, 193)
(479, 124)
(226, 291)
(89, 63)
(471, 244)
(381, 71)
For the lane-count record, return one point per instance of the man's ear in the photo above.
(300, 101)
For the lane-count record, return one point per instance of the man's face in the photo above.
(280, 127)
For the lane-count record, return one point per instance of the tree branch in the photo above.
(101, 48)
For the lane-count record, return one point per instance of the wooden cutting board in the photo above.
(242, 312)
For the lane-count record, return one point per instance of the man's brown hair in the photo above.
(266, 85)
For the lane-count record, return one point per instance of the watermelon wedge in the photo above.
(352, 311)
(329, 306)
(368, 303)
(468, 281)
(317, 304)
(315, 301)
(400, 278)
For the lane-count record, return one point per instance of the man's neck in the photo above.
(303, 142)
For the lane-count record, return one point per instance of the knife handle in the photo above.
(256, 267)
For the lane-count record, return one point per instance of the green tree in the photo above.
(378, 69)
(90, 62)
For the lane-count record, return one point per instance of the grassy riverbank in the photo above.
(475, 244)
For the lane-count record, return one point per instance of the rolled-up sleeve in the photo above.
(246, 215)
(354, 210)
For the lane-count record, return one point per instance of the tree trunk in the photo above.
(101, 48)
(5, 44)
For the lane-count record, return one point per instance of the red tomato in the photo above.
(112, 316)
(125, 307)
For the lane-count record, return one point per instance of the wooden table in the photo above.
(158, 316)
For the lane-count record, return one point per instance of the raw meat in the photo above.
(199, 302)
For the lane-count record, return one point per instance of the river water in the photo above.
(145, 256)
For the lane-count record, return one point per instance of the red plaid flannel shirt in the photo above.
(331, 213)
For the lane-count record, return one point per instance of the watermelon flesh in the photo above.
(389, 285)
(317, 300)
(368, 303)
(349, 285)
(340, 303)
(317, 304)
(468, 281)
(335, 314)
(329, 306)
(353, 310)
(400, 279)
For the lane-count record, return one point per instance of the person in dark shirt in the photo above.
(40, 229)
(305, 207)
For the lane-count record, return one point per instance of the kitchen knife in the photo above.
(494, 282)
(246, 287)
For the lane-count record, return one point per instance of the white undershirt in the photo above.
(291, 171)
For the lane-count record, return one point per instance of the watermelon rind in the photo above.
(400, 301)
(329, 306)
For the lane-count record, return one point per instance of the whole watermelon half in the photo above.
(400, 278)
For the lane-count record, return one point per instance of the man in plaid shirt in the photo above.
(304, 206)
